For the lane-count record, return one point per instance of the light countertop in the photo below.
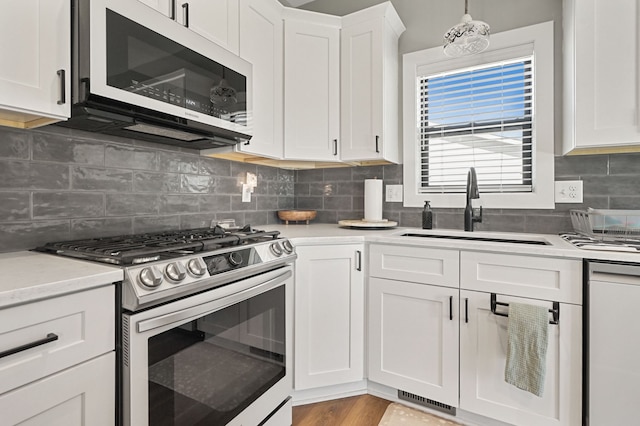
(326, 233)
(29, 276)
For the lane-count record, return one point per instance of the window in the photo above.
(492, 111)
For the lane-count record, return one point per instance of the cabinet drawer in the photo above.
(416, 264)
(528, 276)
(82, 395)
(84, 324)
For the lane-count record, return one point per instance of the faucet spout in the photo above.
(472, 193)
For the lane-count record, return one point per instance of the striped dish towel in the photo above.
(527, 340)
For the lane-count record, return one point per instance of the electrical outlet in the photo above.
(568, 191)
(393, 194)
(246, 193)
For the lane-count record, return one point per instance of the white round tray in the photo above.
(359, 223)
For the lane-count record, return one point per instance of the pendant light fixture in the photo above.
(468, 37)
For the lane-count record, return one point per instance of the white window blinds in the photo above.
(480, 117)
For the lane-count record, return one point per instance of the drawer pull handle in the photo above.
(51, 337)
(555, 311)
(451, 308)
(172, 15)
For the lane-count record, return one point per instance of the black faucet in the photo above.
(472, 193)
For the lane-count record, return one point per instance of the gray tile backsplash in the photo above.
(57, 184)
(610, 182)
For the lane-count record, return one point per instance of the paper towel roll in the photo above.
(373, 200)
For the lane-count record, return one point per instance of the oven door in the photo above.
(211, 360)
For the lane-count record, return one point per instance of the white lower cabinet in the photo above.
(57, 360)
(81, 395)
(432, 332)
(483, 343)
(413, 338)
(329, 315)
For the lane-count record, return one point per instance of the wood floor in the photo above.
(363, 410)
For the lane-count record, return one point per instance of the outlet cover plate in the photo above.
(393, 194)
(568, 191)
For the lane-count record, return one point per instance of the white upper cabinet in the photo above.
(216, 20)
(312, 86)
(166, 7)
(369, 77)
(601, 78)
(35, 64)
(261, 43)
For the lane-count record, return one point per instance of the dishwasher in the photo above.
(612, 334)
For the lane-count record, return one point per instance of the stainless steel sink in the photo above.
(539, 242)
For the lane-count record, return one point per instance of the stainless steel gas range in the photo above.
(205, 324)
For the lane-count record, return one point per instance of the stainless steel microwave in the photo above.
(141, 75)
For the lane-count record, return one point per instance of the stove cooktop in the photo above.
(135, 249)
(163, 266)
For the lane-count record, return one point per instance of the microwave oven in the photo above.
(138, 74)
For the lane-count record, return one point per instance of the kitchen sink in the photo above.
(539, 242)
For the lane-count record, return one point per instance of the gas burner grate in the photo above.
(142, 248)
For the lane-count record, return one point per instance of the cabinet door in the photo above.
(483, 342)
(35, 66)
(362, 100)
(329, 315)
(413, 338)
(81, 395)
(311, 90)
(601, 104)
(261, 43)
(216, 20)
(369, 78)
(166, 7)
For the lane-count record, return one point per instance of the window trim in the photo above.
(505, 45)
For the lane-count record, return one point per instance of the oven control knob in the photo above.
(175, 271)
(235, 258)
(276, 249)
(287, 246)
(197, 267)
(150, 277)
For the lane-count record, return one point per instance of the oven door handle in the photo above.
(253, 286)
